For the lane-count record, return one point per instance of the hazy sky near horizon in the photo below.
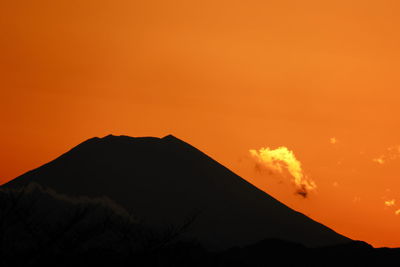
(319, 78)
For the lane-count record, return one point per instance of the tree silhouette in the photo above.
(39, 226)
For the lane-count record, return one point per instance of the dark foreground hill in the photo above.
(165, 181)
(39, 227)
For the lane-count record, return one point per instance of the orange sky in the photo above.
(225, 76)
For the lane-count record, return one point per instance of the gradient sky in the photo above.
(318, 77)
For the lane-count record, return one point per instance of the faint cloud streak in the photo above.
(379, 160)
(392, 153)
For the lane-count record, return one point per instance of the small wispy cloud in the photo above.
(391, 153)
(379, 160)
(333, 140)
(390, 203)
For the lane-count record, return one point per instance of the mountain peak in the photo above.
(112, 137)
(116, 137)
(164, 181)
(109, 136)
(169, 136)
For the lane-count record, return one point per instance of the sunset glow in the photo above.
(314, 84)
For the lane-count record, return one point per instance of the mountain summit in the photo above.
(164, 181)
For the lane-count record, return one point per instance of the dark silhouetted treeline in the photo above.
(39, 227)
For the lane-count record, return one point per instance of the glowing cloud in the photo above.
(390, 203)
(333, 140)
(379, 160)
(280, 160)
(397, 212)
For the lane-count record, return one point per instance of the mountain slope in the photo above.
(164, 181)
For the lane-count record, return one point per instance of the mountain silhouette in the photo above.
(165, 181)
